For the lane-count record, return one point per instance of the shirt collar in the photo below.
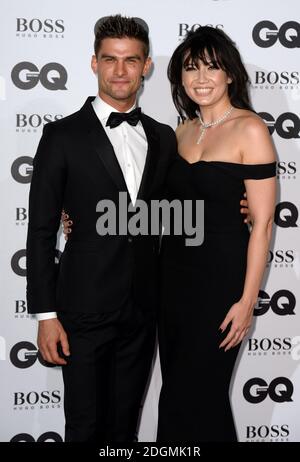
(103, 109)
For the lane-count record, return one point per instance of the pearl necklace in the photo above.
(212, 124)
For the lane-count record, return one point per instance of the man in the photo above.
(97, 315)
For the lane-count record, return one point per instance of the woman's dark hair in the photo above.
(119, 27)
(208, 42)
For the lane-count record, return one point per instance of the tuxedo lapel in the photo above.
(101, 144)
(104, 149)
(151, 158)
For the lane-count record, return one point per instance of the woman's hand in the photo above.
(240, 316)
(67, 224)
(245, 210)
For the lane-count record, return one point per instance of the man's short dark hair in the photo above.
(119, 27)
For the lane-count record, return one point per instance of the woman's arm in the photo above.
(257, 149)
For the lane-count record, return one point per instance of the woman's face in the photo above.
(205, 84)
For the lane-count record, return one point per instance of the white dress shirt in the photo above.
(130, 146)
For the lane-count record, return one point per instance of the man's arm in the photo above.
(45, 203)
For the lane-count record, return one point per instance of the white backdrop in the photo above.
(59, 34)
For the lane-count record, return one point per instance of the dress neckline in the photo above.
(221, 162)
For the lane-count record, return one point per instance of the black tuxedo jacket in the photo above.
(75, 167)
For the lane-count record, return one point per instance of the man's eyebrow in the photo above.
(106, 55)
(134, 57)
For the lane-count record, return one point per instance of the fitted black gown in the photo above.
(199, 285)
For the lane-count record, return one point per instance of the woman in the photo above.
(209, 292)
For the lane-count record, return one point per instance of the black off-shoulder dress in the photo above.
(198, 286)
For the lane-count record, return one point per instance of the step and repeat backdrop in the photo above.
(45, 74)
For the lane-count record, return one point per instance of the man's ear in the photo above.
(147, 66)
(94, 64)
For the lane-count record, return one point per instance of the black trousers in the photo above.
(106, 373)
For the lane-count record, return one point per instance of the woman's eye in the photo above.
(212, 67)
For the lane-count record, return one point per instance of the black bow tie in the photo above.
(116, 118)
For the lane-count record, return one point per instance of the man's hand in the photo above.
(50, 333)
(245, 210)
(66, 224)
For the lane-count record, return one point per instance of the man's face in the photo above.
(120, 65)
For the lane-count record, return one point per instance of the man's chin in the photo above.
(121, 96)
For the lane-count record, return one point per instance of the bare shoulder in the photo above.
(250, 124)
(254, 138)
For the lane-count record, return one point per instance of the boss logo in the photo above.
(286, 169)
(275, 78)
(266, 431)
(279, 390)
(36, 25)
(184, 28)
(21, 310)
(267, 344)
(26, 75)
(282, 303)
(265, 34)
(32, 398)
(21, 216)
(281, 258)
(31, 122)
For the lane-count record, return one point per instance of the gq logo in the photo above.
(16, 266)
(282, 303)
(26, 75)
(27, 438)
(280, 390)
(287, 125)
(286, 215)
(24, 355)
(21, 169)
(265, 34)
(15, 261)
